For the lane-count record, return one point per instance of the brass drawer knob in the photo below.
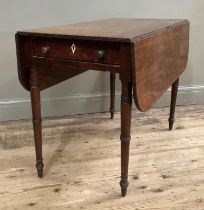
(100, 53)
(45, 50)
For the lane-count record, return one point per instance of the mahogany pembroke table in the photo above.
(148, 55)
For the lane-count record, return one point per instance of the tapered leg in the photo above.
(112, 94)
(36, 111)
(174, 91)
(126, 110)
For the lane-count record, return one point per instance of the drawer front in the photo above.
(85, 51)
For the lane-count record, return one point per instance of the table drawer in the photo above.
(87, 51)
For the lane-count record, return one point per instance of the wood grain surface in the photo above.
(118, 29)
(150, 62)
(160, 58)
(82, 163)
(85, 50)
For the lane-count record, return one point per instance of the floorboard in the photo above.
(82, 163)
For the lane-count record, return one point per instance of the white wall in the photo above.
(89, 91)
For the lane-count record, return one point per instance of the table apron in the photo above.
(39, 62)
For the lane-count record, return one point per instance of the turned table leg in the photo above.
(36, 111)
(112, 94)
(126, 110)
(174, 91)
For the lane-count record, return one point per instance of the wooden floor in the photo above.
(82, 163)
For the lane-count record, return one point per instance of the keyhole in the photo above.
(73, 48)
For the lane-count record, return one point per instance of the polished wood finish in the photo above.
(36, 110)
(159, 60)
(112, 94)
(148, 55)
(83, 51)
(126, 110)
(113, 30)
(174, 90)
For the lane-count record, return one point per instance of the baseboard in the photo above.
(187, 95)
(14, 109)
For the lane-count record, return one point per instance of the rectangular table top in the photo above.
(116, 28)
(149, 53)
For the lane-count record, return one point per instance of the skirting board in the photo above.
(15, 109)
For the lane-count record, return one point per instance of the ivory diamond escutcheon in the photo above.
(73, 48)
